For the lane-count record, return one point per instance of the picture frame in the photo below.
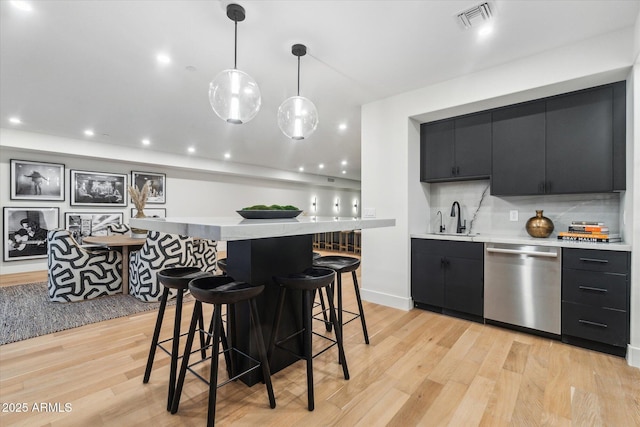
(157, 187)
(151, 212)
(25, 231)
(84, 224)
(30, 180)
(98, 189)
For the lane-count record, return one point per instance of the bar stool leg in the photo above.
(364, 323)
(308, 351)
(156, 335)
(197, 311)
(327, 323)
(213, 378)
(276, 324)
(332, 315)
(262, 352)
(175, 348)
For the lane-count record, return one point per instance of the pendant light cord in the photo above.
(235, 46)
(298, 75)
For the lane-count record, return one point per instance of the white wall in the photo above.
(188, 191)
(390, 140)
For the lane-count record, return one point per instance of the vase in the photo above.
(139, 232)
(539, 225)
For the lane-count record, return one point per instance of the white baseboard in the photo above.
(633, 356)
(388, 300)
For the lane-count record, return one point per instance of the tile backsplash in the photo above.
(492, 214)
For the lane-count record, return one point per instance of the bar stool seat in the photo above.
(172, 278)
(219, 291)
(344, 264)
(309, 281)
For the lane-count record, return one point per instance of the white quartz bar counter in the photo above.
(237, 228)
(524, 240)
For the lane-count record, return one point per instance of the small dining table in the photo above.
(258, 250)
(118, 241)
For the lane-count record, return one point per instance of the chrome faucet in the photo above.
(441, 225)
(460, 227)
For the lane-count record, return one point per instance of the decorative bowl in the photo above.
(268, 214)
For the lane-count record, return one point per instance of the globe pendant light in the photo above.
(297, 116)
(233, 94)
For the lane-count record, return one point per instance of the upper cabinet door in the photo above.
(473, 146)
(518, 154)
(436, 148)
(580, 142)
(456, 149)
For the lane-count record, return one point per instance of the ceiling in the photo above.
(68, 66)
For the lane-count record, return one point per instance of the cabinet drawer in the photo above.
(596, 324)
(596, 289)
(594, 260)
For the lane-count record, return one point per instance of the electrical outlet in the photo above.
(369, 213)
(513, 215)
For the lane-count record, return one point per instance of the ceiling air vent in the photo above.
(476, 14)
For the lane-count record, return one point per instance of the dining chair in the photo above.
(76, 273)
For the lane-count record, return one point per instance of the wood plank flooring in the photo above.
(421, 368)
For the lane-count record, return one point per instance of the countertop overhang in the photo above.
(235, 228)
(523, 240)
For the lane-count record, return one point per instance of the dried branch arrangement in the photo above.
(139, 197)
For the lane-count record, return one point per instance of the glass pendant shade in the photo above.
(234, 96)
(297, 117)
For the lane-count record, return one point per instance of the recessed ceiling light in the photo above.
(163, 59)
(191, 149)
(342, 126)
(22, 5)
(227, 155)
(301, 169)
(321, 166)
(344, 171)
(88, 132)
(146, 142)
(15, 120)
(485, 31)
(344, 163)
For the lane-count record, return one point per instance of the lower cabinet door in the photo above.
(464, 286)
(427, 275)
(603, 325)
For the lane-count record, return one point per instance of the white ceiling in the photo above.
(71, 65)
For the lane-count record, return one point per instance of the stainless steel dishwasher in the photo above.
(522, 286)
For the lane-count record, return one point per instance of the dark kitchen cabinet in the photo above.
(518, 149)
(456, 149)
(571, 143)
(595, 299)
(447, 277)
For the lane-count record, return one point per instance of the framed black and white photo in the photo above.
(98, 189)
(36, 180)
(84, 224)
(151, 212)
(157, 185)
(25, 231)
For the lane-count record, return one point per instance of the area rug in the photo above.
(27, 311)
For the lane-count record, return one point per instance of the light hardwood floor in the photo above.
(421, 368)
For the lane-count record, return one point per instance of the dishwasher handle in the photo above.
(523, 252)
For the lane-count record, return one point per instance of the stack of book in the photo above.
(588, 231)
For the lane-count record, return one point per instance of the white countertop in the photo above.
(524, 240)
(238, 228)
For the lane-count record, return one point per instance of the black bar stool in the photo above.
(309, 281)
(219, 291)
(344, 264)
(222, 265)
(177, 278)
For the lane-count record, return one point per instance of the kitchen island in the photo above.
(257, 250)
